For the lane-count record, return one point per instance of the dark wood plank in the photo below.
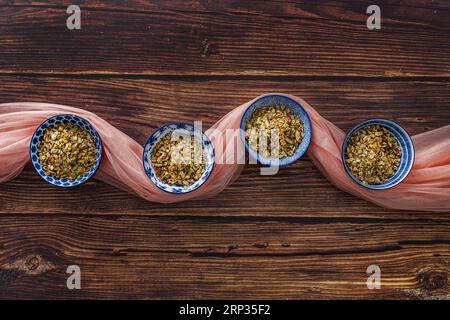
(140, 64)
(138, 106)
(132, 257)
(229, 38)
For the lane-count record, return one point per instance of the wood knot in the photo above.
(261, 245)
(433, 279)
(209, 49)
(31, 265)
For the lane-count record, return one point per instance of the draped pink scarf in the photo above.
(426, 188)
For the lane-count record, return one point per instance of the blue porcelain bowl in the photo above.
(406, 145)
(182, 129)
(299, 111)
(39, 134)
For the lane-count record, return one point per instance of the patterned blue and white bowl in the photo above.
(406, 145)
(39, 134)
(299, 111)
(183, 129)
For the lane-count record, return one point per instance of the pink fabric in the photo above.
(426, 188)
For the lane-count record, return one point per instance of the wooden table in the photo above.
(140, 64)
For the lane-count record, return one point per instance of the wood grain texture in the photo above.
(184, 258)
(230, 38)
(139, 106)
(142, 63)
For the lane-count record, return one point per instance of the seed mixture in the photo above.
(373, 154)
(273, 123)
(178, 160)
(67, 151)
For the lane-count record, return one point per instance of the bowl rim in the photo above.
(99, 155)
(380, 121)
(213, 158)
(258, 158)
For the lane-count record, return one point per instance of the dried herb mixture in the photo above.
(67, 151)
(178, 160)
(274, 131)
(373, 154)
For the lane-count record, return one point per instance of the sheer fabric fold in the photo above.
(426, 188)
